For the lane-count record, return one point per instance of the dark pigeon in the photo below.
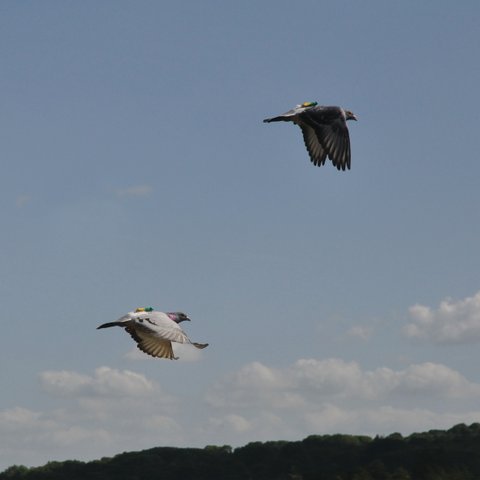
(324, 130)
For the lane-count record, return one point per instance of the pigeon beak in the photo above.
(353, 117)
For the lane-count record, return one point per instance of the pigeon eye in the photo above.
(140, 320)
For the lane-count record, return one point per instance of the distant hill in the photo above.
(452, 454)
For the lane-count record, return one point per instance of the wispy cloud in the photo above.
(452, 322)
(105, 381)
(361, 332)
(135, 191)
(184, 352)
(22, 200)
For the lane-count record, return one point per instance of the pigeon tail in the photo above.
(200, 345)
(111, 324)
(280, 118)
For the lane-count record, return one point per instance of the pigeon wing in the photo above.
(332, 133)
(314, 147)
(337, 143)
(157, 348)
(150, 343)
(133, 333)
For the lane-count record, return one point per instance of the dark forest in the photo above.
(452, 454)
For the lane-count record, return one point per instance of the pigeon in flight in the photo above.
(154, 331)
(324, 130)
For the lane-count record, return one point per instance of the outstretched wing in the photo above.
(331, 130)
(314, 147)
(151, 344)
(157, 348)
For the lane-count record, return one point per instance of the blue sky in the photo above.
(138, 172)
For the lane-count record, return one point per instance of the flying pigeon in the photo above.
(154, 331)
(324, 130)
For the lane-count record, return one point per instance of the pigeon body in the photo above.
(154, 331)
(324, 130)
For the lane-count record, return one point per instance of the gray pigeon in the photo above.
(324, 130)
(154, 331)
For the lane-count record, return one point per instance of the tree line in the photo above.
(452, 454)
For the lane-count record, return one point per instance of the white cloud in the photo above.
(136, 354)
(184, 352)
(332, 395)
(74, 435)
(135, 191)
(19, 419)
(230, 422)
(106, 381)
(310, 381)
(101, 414)
(383, 419)
(436, 379)
(452, 322)
(32, 437)
(253, 384)
(22, 200)
(110, 410)
(187, 353)
(364, 333)
(161, 423)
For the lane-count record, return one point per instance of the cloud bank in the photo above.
(111, 410)
(453, 322)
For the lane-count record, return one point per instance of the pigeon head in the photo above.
(349, 115)
(178, 317)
